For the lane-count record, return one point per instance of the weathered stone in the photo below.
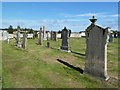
(111, 38)
(54, 36)
(47, 36)
(96, 51)
(40, 39)
(44, 33)
(65, 40)
(51, 35)
(24, 42)
(17, 36)
(48, 45)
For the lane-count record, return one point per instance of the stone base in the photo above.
(105, 77)
(65, 48)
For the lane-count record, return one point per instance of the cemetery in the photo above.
(60, 61)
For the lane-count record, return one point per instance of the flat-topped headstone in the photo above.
(96, 51)
(65, 39)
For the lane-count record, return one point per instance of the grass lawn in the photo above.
(41, 67)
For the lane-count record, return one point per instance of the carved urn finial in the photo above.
(93, 20)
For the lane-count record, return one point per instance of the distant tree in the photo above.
(59, 31)
(18, 27)
(10, 29)
(31, 31)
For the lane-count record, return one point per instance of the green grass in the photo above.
(37, 66)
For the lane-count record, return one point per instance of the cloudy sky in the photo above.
(56, 15)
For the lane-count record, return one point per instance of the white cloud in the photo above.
(104, 14)
(75, 24)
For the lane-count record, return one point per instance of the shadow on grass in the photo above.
(71, 66)
(55, 48)
(78, 53)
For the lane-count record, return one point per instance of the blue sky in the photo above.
(56, 15)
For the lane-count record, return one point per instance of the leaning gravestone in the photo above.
(40, 39)
(65, 40)
(96, 51)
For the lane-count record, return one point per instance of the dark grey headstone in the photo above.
(65, 40)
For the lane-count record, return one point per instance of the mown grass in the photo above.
(38, 66)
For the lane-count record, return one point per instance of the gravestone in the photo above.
(54, 36)
(47, 36)
(51, 35)
(44, 33)
(96, 51)
(18, 36)
(111, 38)
(48, 45)
(40, 39)
(65, 40)
(24, 42)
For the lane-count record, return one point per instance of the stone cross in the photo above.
(96, 51)
(24, 42)
(40, 39)
(65, 40)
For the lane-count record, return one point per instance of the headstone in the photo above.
(48, 44)
(51, 35)
(40, 39)
(111, 38)
(47, 36)
(65, 40)
(54, 36)
(24, 42)
(96, 51)
(18, 36)
(44, 33)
